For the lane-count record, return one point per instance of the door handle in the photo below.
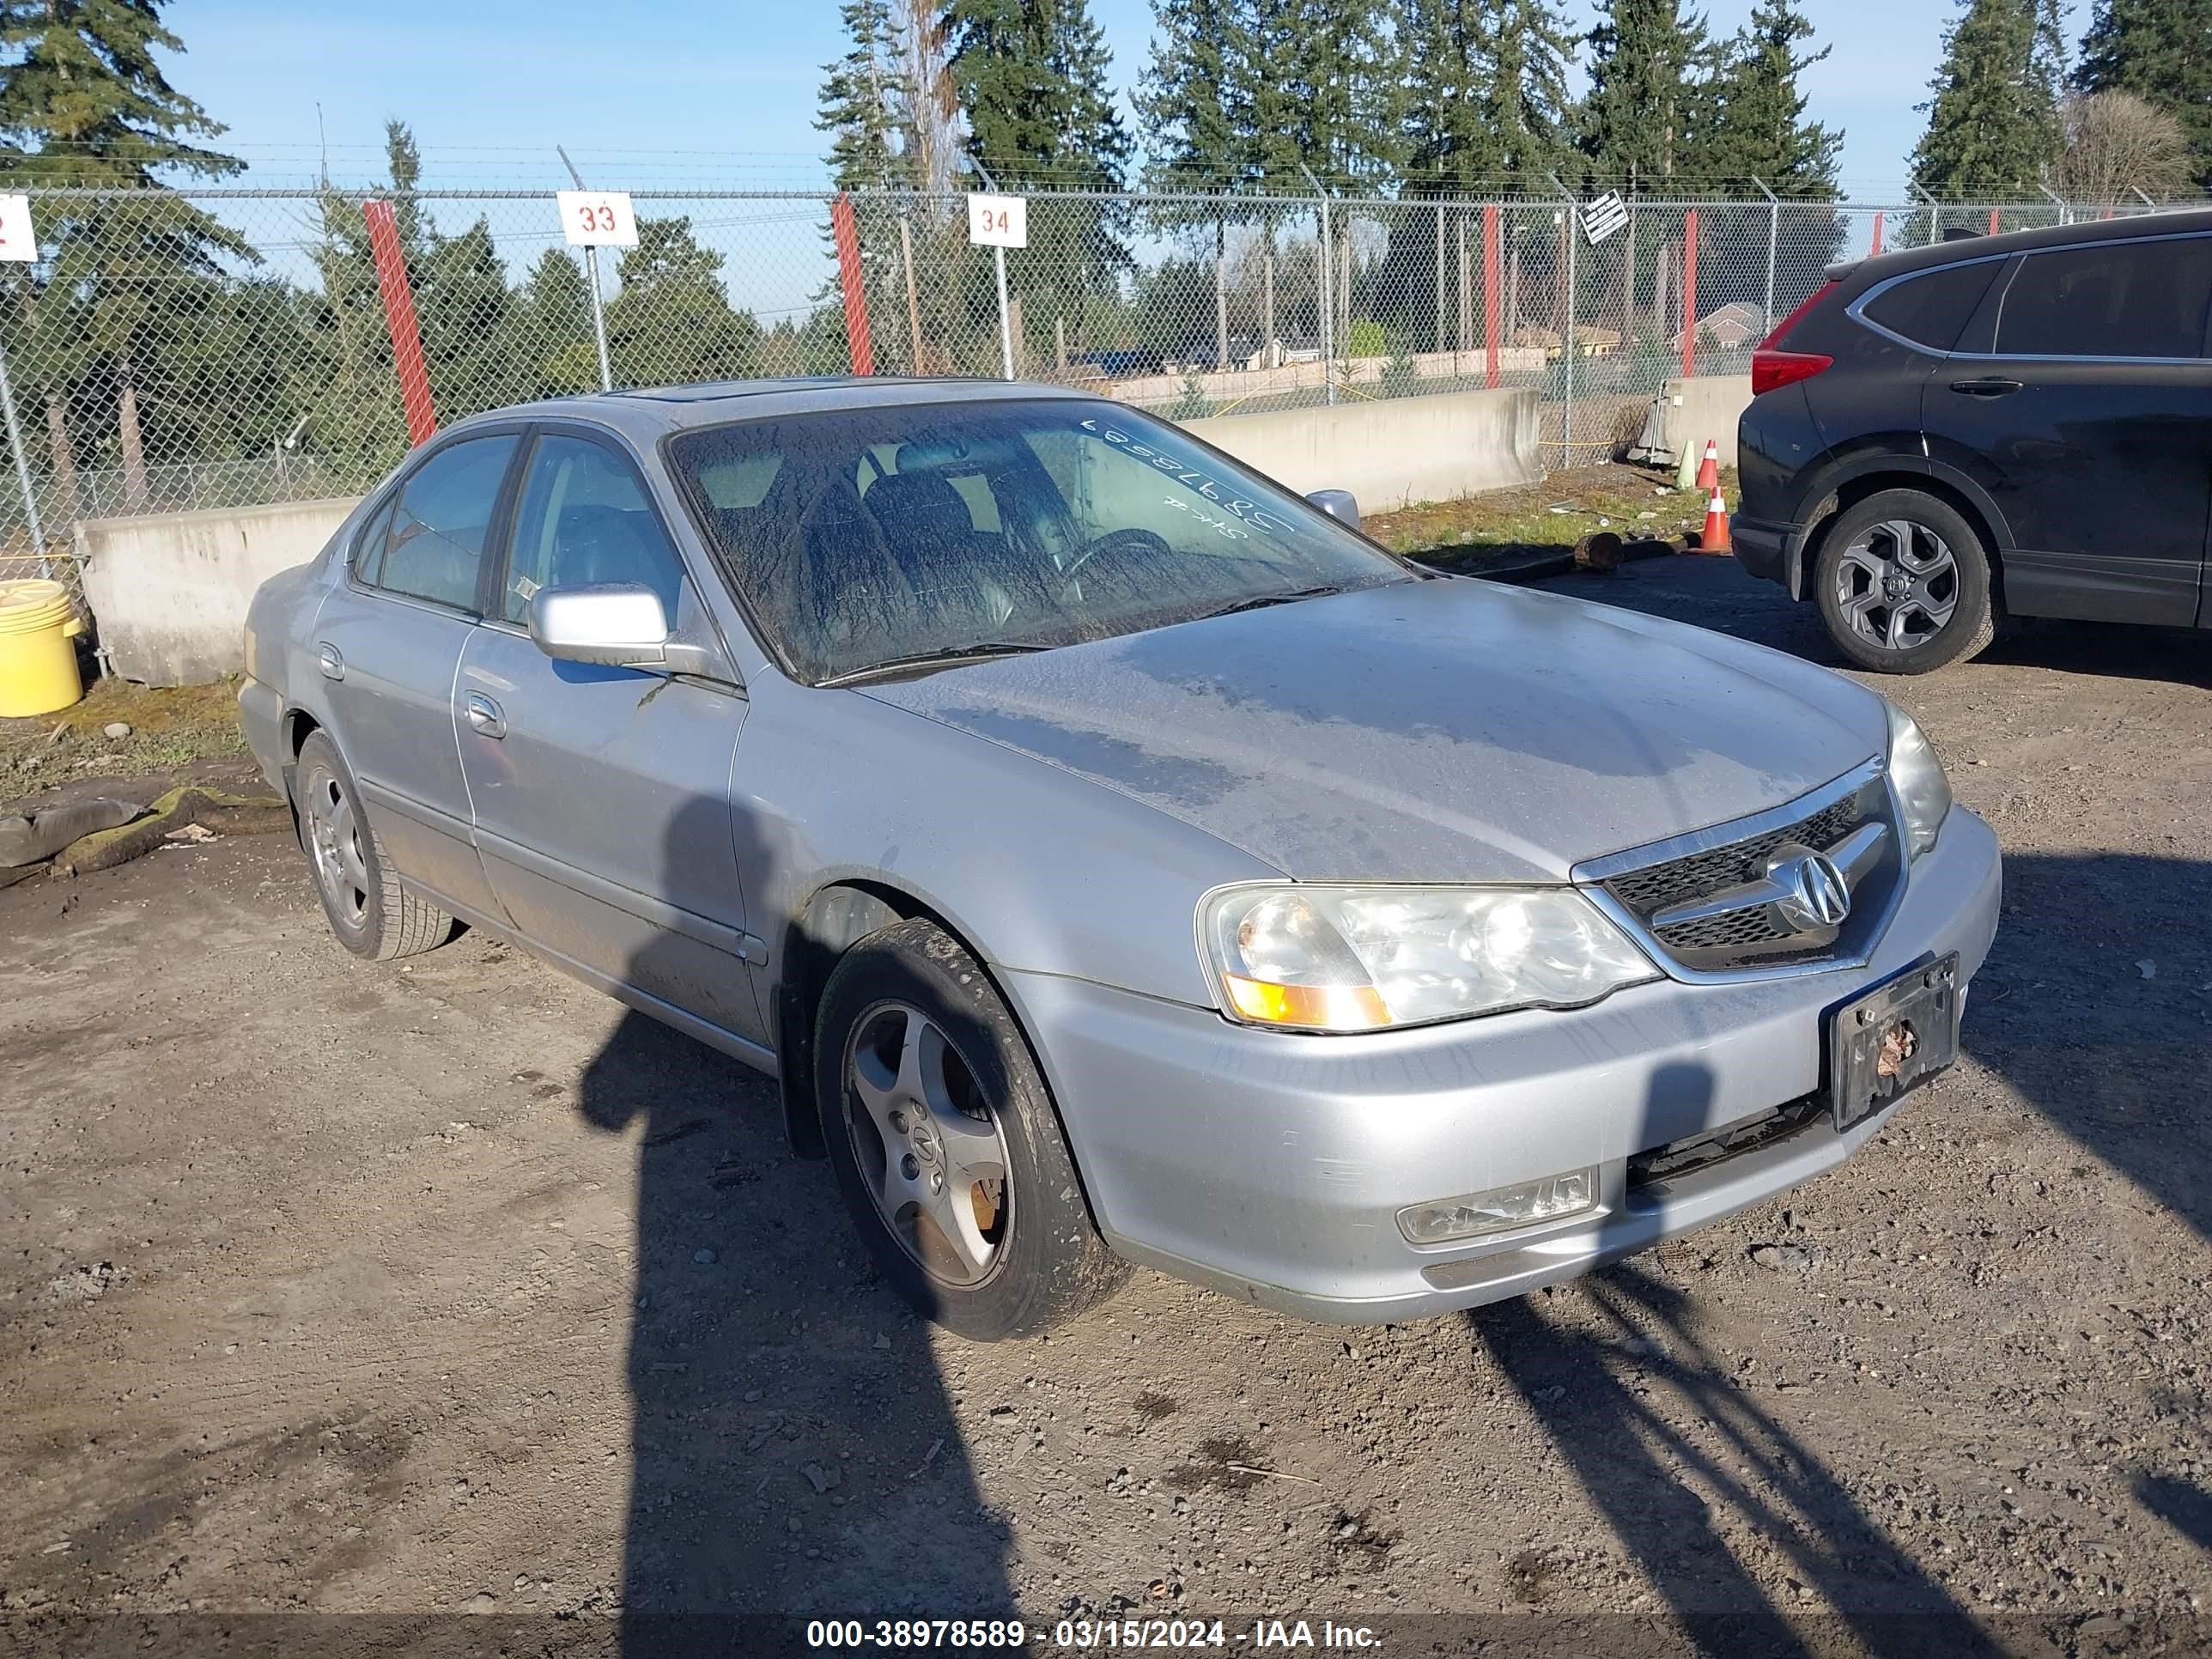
(331, 663)
(483, 714)
(1988, 386)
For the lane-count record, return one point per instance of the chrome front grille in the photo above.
(1730, 900)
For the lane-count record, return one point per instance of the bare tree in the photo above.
(929, 105)
(2115, 144)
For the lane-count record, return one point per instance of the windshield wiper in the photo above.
(942, 658)
(1260, 601)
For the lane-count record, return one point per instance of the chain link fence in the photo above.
(173, 351)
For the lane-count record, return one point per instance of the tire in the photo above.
(1904, 586)
(970, 1205)
(364, 905)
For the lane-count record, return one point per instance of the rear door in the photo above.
(390, 638)
(2085, 410)
(602, 795)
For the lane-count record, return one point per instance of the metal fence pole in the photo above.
(1327, 294)
(998, 265)
(1773, 237)
(1913, 185)
(1567, 329)
(22, 467)
(2065, 215)
(598, 305)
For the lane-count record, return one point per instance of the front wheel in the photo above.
(372, 916)
(1904, 584)
(946, 1144)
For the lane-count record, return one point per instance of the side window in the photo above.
(585, 520)
(368, 546)
(1930, 310)
(433, 545)
(2110, 300)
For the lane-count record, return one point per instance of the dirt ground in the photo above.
(390, 1293)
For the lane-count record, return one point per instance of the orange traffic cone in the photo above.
(1716, 536)
(1708, 469)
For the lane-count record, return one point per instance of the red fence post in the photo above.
(1492, 310)
(846, 230)
(1993, 221)
(1689, 294)
(399, 317)
(1877, 233)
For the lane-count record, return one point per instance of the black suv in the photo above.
(2009, 425)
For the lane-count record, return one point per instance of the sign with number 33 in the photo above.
(598, 218)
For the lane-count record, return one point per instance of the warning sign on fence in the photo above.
(1603, 216)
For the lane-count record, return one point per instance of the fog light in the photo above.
(1500, 1208)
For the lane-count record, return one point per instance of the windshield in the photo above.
(859, 537)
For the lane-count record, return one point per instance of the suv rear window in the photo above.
(1930, 309)
(2110, 300)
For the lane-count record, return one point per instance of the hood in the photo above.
(1428, 731)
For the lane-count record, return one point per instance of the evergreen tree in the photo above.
(673, 321)
(859, 104)
(1485, 91)
(1196, 95)
(2160, 50)
(1993, 122)
(1032, 79)
(1645, 119)
(558, 355)
(84, 100)
(1338, 70)
(1759, 128)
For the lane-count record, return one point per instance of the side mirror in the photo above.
(621, 625)
(1338, 504)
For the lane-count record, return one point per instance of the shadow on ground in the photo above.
(794, 1450)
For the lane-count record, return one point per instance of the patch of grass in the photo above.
(1527, 522)
(171, 726)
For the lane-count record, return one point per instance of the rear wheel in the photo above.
(1904, 583)
(366, 907)
(946, 1144)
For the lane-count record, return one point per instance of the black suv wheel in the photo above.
(1904, 583)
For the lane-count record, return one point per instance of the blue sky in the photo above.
(726, 91)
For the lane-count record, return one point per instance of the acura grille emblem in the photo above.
(1814, 891)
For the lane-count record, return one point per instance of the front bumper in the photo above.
(261, 718)
(1272, 1166)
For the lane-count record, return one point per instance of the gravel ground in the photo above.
(334, 1289)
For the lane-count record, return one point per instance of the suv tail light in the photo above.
(1771, 368)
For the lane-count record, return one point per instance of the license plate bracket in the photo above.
(1887, 1042)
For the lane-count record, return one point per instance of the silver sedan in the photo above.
(1116, 857)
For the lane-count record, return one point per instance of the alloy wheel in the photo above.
(927, 1143)
(1897, 585)
(334, 844)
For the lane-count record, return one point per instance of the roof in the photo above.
(650, 411)
(2178, 223)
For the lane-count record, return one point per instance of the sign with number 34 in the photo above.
(598, 218)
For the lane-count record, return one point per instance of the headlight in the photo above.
(1923, 792)
(1326, 958)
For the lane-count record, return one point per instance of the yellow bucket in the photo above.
(38, 664)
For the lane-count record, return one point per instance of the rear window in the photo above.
(1930, 309)
(2110, 300)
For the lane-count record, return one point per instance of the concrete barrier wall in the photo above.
(1392, 452)
(1708, 406)
(169, 590)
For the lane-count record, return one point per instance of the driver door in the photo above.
(601, 796)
